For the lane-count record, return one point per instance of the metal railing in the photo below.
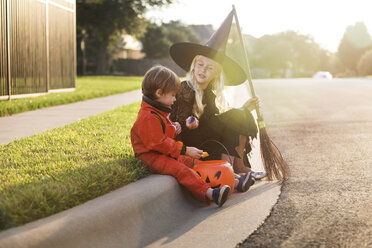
(38, 44)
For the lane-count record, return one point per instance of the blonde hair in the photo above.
(217, 88)
(160, 77)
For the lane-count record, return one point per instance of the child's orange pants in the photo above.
(179, 169)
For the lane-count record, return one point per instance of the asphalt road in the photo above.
(324, 131)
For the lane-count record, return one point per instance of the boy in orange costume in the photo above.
(152, 137)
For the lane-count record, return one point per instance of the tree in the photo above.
(288, 50)
(155, 43)
(176, 31)
(330, 62)
(101, 20)
(365, 64)
(306, 53)
(271, 53)
(158, 38)
(204, 32)
(354, 43)
(234, 46)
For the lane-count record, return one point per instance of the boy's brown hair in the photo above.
(160, 77)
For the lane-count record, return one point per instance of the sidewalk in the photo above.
(154, 211)
(29, 123)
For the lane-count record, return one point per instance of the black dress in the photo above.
(214, 128)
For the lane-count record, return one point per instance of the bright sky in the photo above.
(324, 20)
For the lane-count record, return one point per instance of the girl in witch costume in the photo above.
(200, 107)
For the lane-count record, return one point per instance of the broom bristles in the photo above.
(274, 164)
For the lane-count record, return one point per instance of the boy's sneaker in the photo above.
(245, 182)
(259, 175)
(220, 195)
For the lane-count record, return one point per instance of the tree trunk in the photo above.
(84, 64)
(102, 57)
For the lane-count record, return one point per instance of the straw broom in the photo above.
(274, 164)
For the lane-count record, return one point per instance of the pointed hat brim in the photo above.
(183, 54)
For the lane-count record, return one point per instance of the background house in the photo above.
(130, 48)
(37, 47)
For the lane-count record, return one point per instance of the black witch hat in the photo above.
(183, 53)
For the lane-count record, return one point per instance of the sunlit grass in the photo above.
(62, 168)
(86, 88)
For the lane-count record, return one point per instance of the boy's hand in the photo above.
(178, 127)
(193, 152)
(192, 122)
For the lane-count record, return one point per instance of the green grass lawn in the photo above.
(64, 167)
(86, 88)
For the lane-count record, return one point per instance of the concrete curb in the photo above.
(131, 216)
(154, 212)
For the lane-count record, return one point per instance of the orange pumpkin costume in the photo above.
(152, 140)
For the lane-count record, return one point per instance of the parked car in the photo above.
(323, 74)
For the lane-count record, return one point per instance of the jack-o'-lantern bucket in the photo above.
(216, 173)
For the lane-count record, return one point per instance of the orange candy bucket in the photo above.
(216, 173)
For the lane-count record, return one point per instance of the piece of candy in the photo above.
(205, 154)
(191, 119)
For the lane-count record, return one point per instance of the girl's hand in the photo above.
(178, 127)
(193, 152)
(252, 103)
(192, 122)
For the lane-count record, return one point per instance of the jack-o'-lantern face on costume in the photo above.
(216, 173)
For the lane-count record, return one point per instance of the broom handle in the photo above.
(246, 61)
